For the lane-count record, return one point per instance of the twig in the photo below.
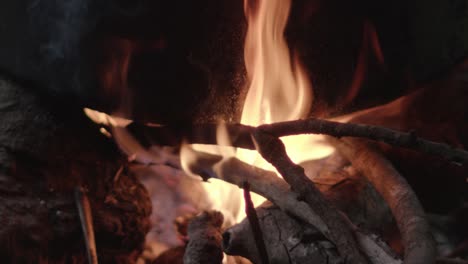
(254, 224)
(409, 215)
(240, 135)
(86, 218)
(273, 150)
(276, 190)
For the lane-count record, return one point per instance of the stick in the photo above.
(276, 190)
(86, 218)
(240, 135)
(254, 224)
(408, 212)
(273, 150)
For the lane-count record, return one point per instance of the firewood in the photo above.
(273, 150)
(204, 245)
(255, 227)
(45, 152)
(240, 135)
(405, 206)
(288, 240)
(272, 187)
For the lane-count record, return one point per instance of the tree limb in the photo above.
(408, 212)
(273, 150)
(240, 135)
(276, 190)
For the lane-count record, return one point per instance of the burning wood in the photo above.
(276, 190)
(273, 150)
(240, 135)
(288, 240)
(204, 234)
(406, 208)
(48, 148)
(255, 225)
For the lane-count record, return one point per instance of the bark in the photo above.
(288, 240)
(240, 135)
(342, 188)
(204, 246)
(406, 208)
(273, 150)
(46, 151)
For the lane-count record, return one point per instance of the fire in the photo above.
(278, 90)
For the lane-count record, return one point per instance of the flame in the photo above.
(369, 38)
(222, 196)
(278, 90)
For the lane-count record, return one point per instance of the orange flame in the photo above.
(278, 90)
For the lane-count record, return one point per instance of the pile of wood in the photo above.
(368, 202)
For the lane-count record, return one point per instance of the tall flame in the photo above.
(278, 90)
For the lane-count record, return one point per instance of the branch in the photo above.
(273, 150)
(86, 218)
(276, 190)
(408, 212)
(254, 224)
(240, 135)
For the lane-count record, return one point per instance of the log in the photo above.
(339, 232)
(288, 240)
(47, 152)
(204, 245)
(357, 199)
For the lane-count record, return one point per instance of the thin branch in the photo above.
(404, 204)
(255, 225)
(86, 218)
(273, 150)
(240, 135)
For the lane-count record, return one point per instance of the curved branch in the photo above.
(275, 189)
(273, 150)
(419, 244)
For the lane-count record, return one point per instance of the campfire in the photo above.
(259, 158)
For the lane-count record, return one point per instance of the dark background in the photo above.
(186, 58)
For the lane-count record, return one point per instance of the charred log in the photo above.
(45, 153)
(204, 245)
(288, 240)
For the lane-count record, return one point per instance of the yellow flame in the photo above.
(278, 90)
(223, 196)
